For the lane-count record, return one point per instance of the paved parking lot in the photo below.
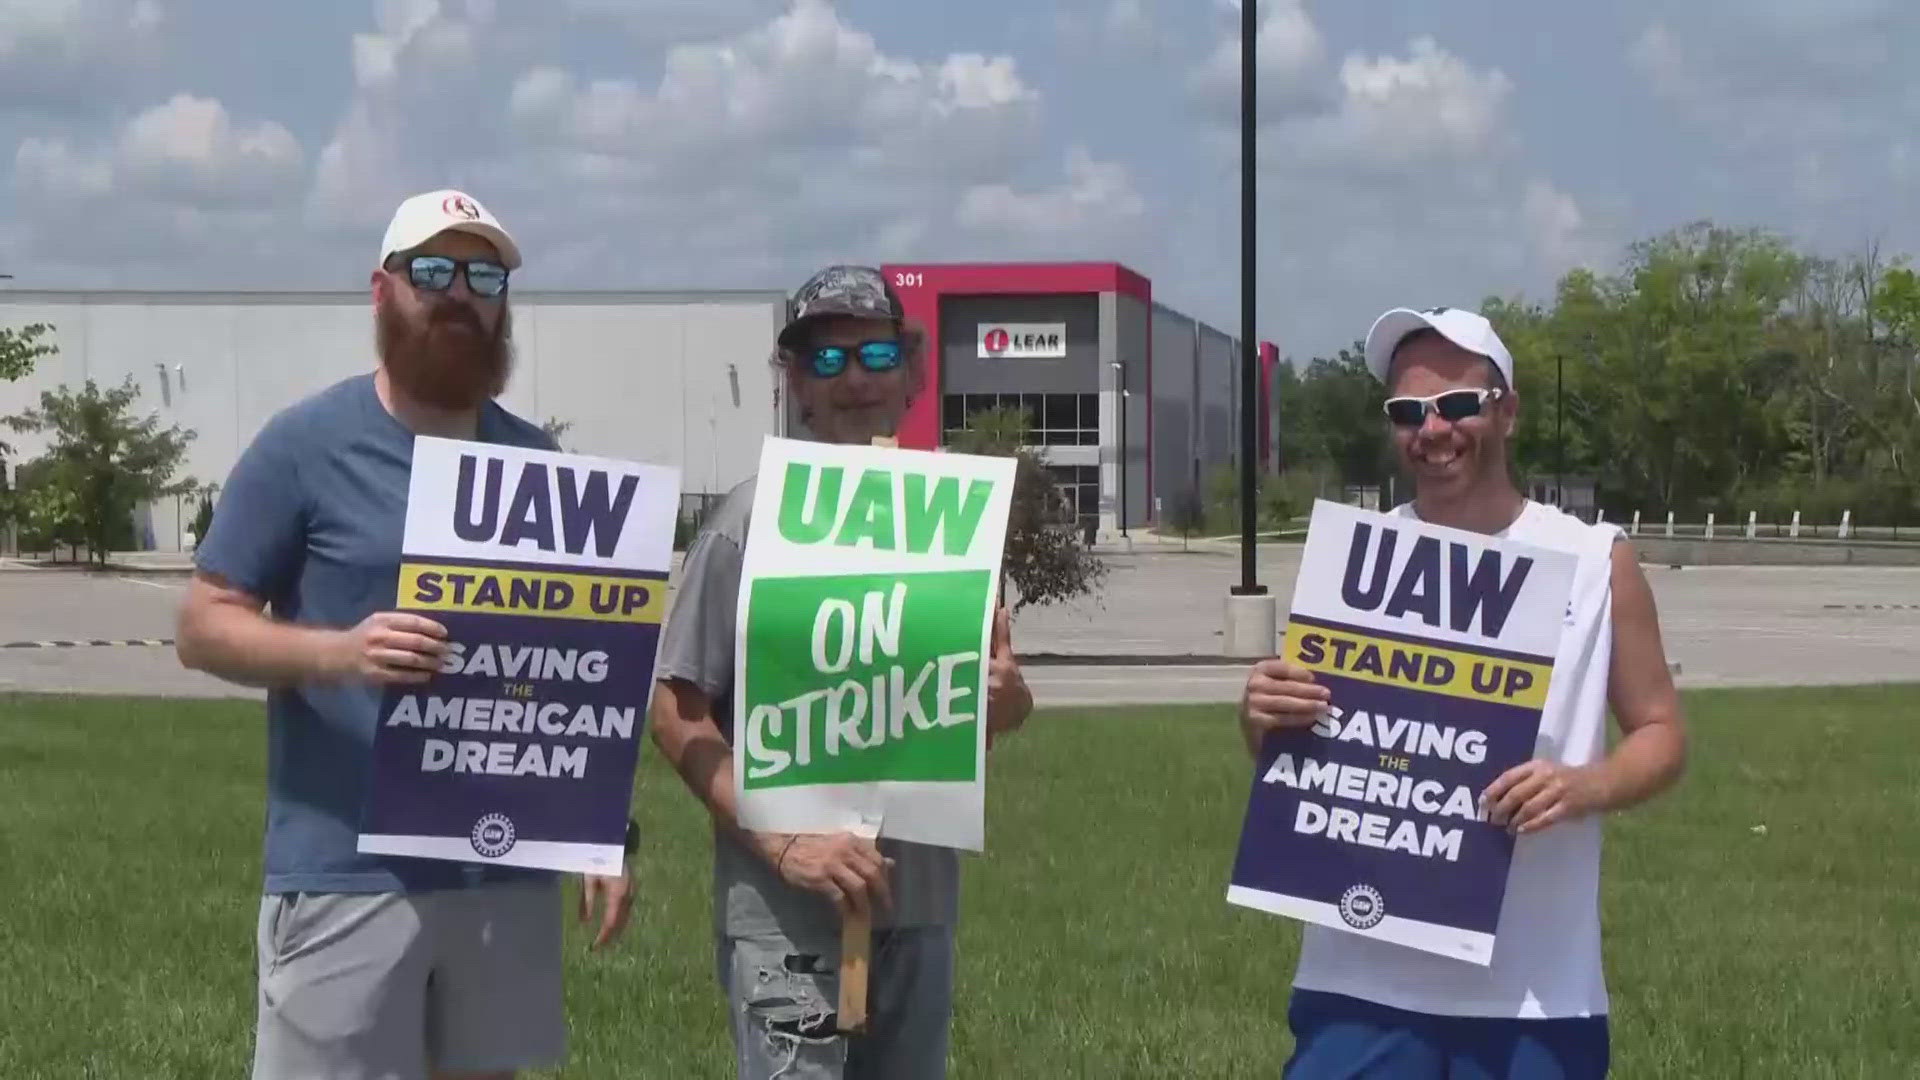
(1723, 625)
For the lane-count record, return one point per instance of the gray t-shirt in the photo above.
(311, 521)
(697, 646)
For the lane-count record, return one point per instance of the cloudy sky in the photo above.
(1411, 151)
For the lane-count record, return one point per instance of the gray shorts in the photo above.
(385, 986)
(783, 995)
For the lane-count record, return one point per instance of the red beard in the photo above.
(447, 361)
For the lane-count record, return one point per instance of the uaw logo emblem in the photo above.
(1362, 908)
(493, 835)
(460, 206)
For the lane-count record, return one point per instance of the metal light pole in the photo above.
(1559, 428)
(1250, 629)
(1249, 347)
(1120, 383)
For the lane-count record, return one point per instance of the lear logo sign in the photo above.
(1022, 341)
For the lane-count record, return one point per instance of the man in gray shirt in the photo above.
(854, 366)
(375, 965)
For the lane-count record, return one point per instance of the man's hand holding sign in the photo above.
(1282, 696)
(1008, 698)
(519, 666)
(1430, 747)
(830, 682)
(1415, 668)
(387, 648)
(872, 654)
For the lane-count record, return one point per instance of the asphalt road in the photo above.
(1722, 625)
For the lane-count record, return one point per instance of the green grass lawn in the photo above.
(1096, 938)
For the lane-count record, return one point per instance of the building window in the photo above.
(1052, 419)
(1080, 484)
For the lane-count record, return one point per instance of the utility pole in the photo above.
(1559, 428)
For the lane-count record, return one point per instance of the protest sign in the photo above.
(549, 572)
(866, 605)
(1437, 647)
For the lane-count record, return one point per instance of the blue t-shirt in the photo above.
(311, 521)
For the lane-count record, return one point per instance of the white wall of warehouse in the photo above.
(676, 379)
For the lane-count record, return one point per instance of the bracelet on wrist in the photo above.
(781, 861)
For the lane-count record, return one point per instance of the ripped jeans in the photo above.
(783, 999)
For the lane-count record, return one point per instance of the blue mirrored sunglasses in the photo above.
(434, 273)
(828, 361)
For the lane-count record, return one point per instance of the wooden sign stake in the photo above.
(856, 947)
(856, 930)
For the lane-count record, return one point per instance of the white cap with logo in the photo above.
(1466, 329)
(431, 213)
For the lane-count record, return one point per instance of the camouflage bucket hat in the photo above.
(857, 291)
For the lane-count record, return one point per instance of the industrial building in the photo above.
(1130, 402)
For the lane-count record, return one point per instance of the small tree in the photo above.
(1186, 514)
(556, 428)
(1046, 560)
(19, 351)
(104, 458)
(49, 511)
(203, 515)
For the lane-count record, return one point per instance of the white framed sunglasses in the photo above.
(1451, 406)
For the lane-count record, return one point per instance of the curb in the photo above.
(92, 643)
(1871, 607)
(21, 566)
(1132, 660)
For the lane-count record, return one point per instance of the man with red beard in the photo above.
(376, 966)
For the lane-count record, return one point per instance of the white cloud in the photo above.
(192, 147)
(1394, 112)
(678, 20)
(75, 27)
(187, 150)
(62, 57)
(1562, 234)
(1288, 57)
(181, 178)
(1129, 23)
(1096, 199)
(797, 140)
(51, 167)
(1785, 73)
(1106, 31)
(1406, 184)
(425, 84)
(1814, 97)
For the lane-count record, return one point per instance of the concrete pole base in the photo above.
(1252, 629)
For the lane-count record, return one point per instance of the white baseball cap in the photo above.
(1466, 329)
(427, 215)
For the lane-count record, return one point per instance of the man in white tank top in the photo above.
(1363, 1008)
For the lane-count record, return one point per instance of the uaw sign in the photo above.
(1022, 341)
(1437, 647)
(549, 572)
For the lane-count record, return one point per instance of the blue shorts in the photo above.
(1343, 1038)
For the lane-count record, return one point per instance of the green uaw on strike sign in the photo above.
(865, 620)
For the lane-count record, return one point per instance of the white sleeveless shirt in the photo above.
(1546, 960)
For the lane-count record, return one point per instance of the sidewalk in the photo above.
(119, 562)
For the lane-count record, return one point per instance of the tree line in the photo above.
(1717, 370)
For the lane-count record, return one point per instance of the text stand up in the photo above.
(549, 573)
(1438, 647)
